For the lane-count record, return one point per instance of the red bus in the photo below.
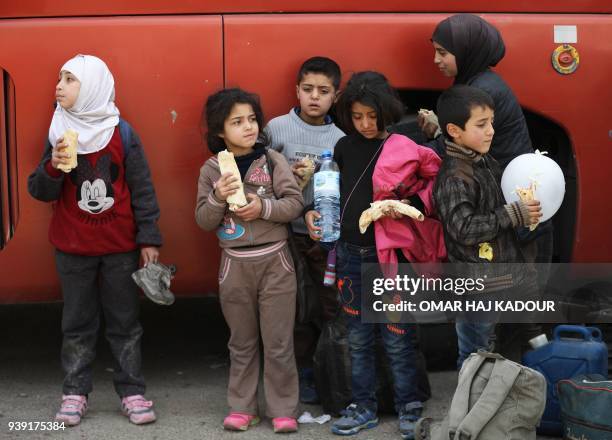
(168, 56)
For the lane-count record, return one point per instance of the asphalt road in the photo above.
(185, 364)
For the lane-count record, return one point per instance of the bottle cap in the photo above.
(538, 341)
(326, 154)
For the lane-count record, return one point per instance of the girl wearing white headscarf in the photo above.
(94, 115)
(104, 221)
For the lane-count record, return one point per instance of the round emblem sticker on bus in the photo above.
(565, 59)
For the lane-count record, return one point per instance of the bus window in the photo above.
(9, 209)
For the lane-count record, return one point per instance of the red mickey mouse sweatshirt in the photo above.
(93, 212)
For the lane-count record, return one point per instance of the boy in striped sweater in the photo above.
(306, 131)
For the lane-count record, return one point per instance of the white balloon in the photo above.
(544, 173)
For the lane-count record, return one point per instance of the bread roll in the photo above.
(305, 171)
(526, 195)
(227, 164)
(381, 208)
(431, 118)
(70, 138)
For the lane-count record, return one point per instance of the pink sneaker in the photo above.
(284, 424)
(73, 408)
(138, 410)
(239, 421)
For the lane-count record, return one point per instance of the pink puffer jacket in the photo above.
(403, 169)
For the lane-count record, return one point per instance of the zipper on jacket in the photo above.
(500, 194)
(248, 224)
(254, 165)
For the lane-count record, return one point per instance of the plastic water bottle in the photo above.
(327, 198)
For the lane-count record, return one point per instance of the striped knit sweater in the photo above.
(296, 139)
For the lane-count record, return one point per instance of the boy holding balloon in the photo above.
(479, 226)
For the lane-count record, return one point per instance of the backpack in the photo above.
(128, 136)
(495, 399)
(586, 406)
(332, 370)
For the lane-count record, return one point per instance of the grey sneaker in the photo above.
(154, 280)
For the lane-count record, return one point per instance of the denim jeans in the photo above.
(510, 338)
(397, 338)
(471, 337)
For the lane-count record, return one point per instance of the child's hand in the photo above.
(313, 231)
(226, 186)
(427, 126)
(251, 211)
(298, 169)
(392, 213)
(535, 211)
(149, 254)
(58, 155)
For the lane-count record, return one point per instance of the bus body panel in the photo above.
(164, 67)
(397, 44)
(62, 8)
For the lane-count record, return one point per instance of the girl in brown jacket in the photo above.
(257, 286)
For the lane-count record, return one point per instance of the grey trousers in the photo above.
(91, 286)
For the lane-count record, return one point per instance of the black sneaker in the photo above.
(154, 280)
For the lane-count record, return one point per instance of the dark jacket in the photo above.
(472, 209)
(511, 136)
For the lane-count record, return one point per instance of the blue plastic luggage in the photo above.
(574, 350)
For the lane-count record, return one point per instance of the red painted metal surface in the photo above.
(165, 66)
(59, 8)
(398, 45)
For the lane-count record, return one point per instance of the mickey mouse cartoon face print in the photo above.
(93, 197)
(94, 184)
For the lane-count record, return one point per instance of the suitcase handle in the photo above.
(589, 333)
(596, 334)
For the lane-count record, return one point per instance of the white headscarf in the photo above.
(94, 114)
